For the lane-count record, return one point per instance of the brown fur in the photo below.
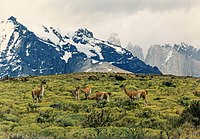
(103, 95)
(87, 91)
(92, 97)
(135, 94)
(75, 93)
(38, 93)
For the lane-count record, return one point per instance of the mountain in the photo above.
(181, 60)
(114, 39)
(136, 51)
(47, 51)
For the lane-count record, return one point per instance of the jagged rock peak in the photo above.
(178, 59)
(136, 51)
(84, 32)
(183, 47)
(13, 19)
(114, 39)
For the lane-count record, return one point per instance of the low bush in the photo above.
(184, 101)
(168, 84)
(191, 113)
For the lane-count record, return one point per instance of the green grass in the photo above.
(60, 116)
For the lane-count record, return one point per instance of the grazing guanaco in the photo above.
(102, 95)
(87, 91)
(75, 93)
(38, 93)
(135, 94)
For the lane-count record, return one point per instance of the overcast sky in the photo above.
(141, 22)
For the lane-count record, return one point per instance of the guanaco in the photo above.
(101, 95)
(87, 91)
(75, 93)
(38, 93)
(135, 94)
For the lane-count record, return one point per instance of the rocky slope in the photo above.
(181, 60)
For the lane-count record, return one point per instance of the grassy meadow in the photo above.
(173, 111)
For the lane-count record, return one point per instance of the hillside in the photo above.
(60, 116)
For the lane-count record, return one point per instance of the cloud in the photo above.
(126, 6)
(142, 22)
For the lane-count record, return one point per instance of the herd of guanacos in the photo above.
(38, 93)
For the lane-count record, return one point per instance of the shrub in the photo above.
(99, 118)
(72, 106)
(168, 84)
(10, 117)
(127, 121)
(119, 78)
(147, 113)
(192, 113)
(155, 123)
(125, 103)
(32, 107)
(27, 129)
(64, 122)
(53, 131)
(45, 116)
(184, 101)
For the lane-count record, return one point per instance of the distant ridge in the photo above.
(180, 60)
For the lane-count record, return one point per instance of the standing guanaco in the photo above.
(38, 93)
(75, 93)
(135, 94)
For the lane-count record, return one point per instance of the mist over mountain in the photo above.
(114, 39)
(136, 51)
(48, 51)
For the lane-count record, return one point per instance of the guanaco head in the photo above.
(43, 82)
(77, 88)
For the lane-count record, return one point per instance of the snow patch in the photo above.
(170, 54)
(16, 68)
(28, 46)
(88, 70)
(85, 48)
(94, 61)
(6, 30)
(66, 56)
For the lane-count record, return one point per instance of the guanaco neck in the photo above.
(42, 89)
(86, 90)
(125, 90)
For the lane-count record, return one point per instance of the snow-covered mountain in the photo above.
(49, 51)
(136, 51)
(181, 60)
